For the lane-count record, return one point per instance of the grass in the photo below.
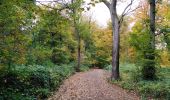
(131, 80)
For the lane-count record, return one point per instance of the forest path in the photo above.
(91, 85)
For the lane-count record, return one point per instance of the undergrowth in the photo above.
(131, 79)
(32, 82)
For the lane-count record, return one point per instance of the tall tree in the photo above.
(116, 24)
(149, 64)
(71, 9)
(76, 12)
(143, 35)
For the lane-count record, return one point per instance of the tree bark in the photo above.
(116, 39)
(152, 23)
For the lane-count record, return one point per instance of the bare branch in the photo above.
(106, 3)
(128, 12)
(125, 10)
(129, 5)
(128, 9)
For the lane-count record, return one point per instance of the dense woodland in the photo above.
(42, 44)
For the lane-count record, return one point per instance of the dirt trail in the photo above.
(91, 85)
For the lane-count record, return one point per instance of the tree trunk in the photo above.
(115, 51)
(152, 23)
(76, 30)
(149, 70)
(78, 48)
(116, 39)
(79, 57)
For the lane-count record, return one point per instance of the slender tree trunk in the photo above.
(152, 23)
(78, 57)
(116, 39)
(78, 47)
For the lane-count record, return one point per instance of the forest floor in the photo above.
(91, 85)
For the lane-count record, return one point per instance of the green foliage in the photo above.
(167, 39)
(37, 45)
(148, 70)
(101, 61)
(140, 39)
(33, 81)
(15, 21)
(163, 25)
(102, 48)
(131, 79)
(84, 67)
(32, 42)
(60, 56)
(155, 89)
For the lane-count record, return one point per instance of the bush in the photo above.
(33, 81)
(102, 62)
(84, 67)
(40, 78)
(38, 55)
(131, 79)
(149, 70)
(60, 56)
(154, 89)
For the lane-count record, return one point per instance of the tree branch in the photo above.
(129, 5)
(106, 3)
(127, 10)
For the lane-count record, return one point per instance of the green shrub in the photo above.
(60, 56)
(40, 78)
(154, 89)
(84, 67)
(149, 70)
(131, 79)
(38, 55)
(33, 81)
(102, 62)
